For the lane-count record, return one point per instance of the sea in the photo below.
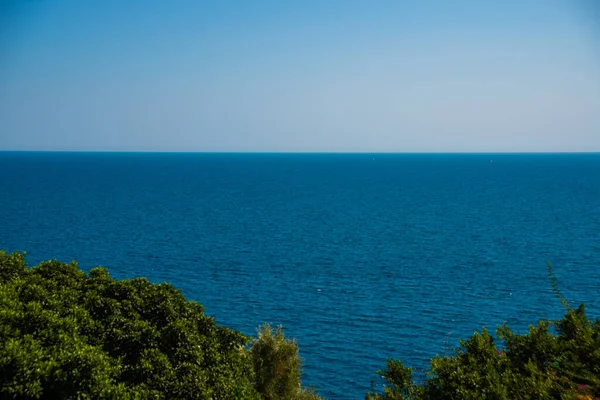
(360, 257)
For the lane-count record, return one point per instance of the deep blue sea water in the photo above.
(360, 256)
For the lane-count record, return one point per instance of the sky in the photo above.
(300, 76)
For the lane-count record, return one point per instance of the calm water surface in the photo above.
(360, 257)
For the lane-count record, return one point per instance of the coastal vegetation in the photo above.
(67, 334)
(554, 360)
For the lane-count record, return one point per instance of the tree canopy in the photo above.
(67, 334)
(554, 360)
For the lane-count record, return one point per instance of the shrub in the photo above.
(277, 365)
(66, 334)
(555, 359)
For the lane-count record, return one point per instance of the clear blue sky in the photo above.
(305, 75)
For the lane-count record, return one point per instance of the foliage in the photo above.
(566, 305)
(65, 334)
(553, 360)
(277, 365)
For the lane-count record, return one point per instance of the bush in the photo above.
(65, 334)
(553, 360)
(277, 365)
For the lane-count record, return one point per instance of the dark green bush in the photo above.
(66, 334)
(554, 360)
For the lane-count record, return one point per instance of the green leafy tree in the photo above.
(554, 360)
(277, 365)
(66, 334)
